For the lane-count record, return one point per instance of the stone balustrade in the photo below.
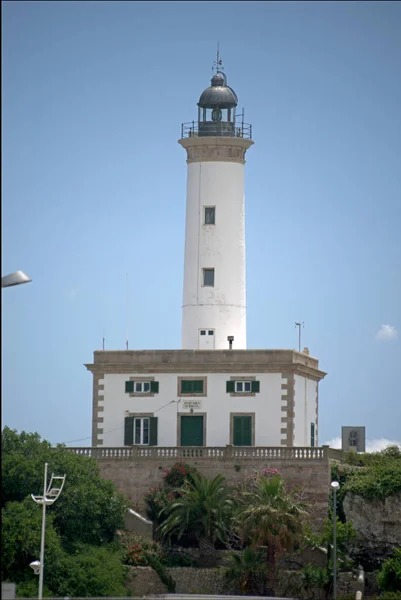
(222, 452)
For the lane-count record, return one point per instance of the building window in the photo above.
(210, 332)
(353, 439)
(140, 430)
(208, 277)
(210, 215)
(312, 435)
(194, 386)
(191, 386)
(203, 332)
(243, 387)
(141, 387)
(242, 429)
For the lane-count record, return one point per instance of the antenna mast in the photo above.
(299, 325)
(218, 63)
(126, 336)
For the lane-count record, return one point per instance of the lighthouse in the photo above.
(214, 296)
(213, 392)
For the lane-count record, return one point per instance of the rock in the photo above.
(378, 526)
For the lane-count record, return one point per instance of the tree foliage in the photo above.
(248, 570)
(268, 518)
(204, 508)
(389, 577)
(268, 512)
(85, 516)
(89, 509)
(380, 476)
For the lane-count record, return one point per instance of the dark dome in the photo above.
(218, 94)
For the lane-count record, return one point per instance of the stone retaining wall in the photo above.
(135, 477)
(143, 581)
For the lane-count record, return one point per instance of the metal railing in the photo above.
(238, 129)
(213, 453)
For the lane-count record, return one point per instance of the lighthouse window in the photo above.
(210, 215)
(208, 277)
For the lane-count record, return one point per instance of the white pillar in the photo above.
(215, 178)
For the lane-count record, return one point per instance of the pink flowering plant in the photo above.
(175, 480)
(179, 474)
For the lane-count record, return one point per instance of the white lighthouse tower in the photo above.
(214, 300)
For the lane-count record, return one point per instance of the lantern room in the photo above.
(216, 108)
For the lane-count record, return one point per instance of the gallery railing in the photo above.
(237, 129)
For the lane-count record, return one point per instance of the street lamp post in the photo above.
(335, 486)
(50, 495)
(14, 279)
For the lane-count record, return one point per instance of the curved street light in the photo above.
(50, 494)
(15, 279)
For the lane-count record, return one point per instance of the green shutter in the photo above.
(129, 430)
(312, 435)
(191, 386)
(198, 386)
(153, 431)
(154, 387)
(230, 387)
(129, 387)
(185, 386)
(242, 431)
(255, 387)
(237, 431)
(247, 431)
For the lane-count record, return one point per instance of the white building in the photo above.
(213, 392)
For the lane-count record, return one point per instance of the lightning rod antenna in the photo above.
(299, 325)
(218, 63)
(126, 336)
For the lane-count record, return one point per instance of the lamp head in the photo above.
(35, 566)
(335, 486)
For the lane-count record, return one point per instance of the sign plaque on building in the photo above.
(192, 404)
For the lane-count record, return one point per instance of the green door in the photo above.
(192, 431)
(242, 427)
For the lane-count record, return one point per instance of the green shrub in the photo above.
(177, 558)
(389, 577)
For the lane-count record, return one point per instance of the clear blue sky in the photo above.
(94, 94)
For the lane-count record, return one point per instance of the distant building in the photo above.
(353, 438)
(212, 392)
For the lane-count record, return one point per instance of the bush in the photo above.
(389, 577)
(178, 558)
(179, 474)
(158, 499)
(138, 549)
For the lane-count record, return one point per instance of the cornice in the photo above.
(206, 368)
(218, 149)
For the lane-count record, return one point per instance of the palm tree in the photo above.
(247, 570)
(204, 509)
(270, 517)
